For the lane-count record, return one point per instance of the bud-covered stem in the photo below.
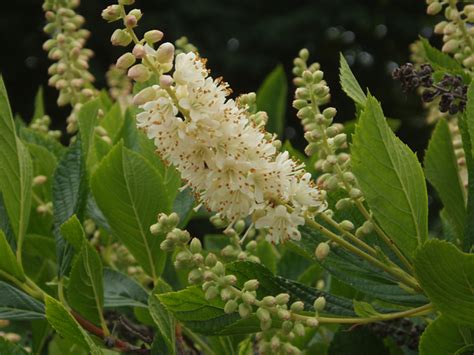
(394, 271)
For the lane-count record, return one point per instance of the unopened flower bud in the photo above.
(282, 298)
(111, 13)
(450, 46)
(355, 193)
(195, 276)
(299, 329)
(126, 2)
(368, 227)
(263, 314)
(322, 251)
(219, 269)
(136, 13)
(211, 260)
(268, 301)
(251, 285)
(195, 246)
(146, 95)
(245, 310)
(230, 280)
(329, 113)
(231, 306)
(227, 294)
(165, 53)
(248, 297)
(251, 246)
(39, 180)
(139, 73)
(139, 51)
(156, 228)
(120, 38)
(287, 326)
(346, 225)
(153, 36)
(211, 293)
(312, 322)
(297, 306)
(434, 8)
(319, 304)
(166, 81)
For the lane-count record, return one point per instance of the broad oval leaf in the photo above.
(17, 305)
(391, 179)
(441, 169)
(162, 317)
(16, 173)
(66, 326)
(69, 198)
(122, 291)
(444, 337)
(446, 274)
(272, 98)
(130, 193)
(9, 348)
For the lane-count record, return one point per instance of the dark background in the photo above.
(243, 40)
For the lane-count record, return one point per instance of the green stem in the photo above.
(351, 236)
(414, 312)
(395, 272)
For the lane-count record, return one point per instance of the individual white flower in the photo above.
(305, 195)
(189, 69)
(280, 223)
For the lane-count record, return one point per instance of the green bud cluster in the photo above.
(144, 60)
(323, 135)
(41, 125)
(120, 86)
(183, 46)
(208, 271)
(69, 74)
(456, 29)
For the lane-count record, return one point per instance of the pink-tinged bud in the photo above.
(144, 96)
(166, 81)
(130, 21)
(139, 73)
(125, 61)
(111, 13)
(165, 53)
(153, 36)
(136, 13)
(120, 38)
(434, 8)
(139, 51)
(450, 46)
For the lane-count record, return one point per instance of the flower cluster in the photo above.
(456, 29)
(232, 164)
(280, 319)
(70, 73)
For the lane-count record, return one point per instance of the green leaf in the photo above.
(364, 309)
(208, 317)
(5, 225)
(17, 305)
(16, 173)
(39, 104)
(11, 349)
(74, 233)
(438, 59)
(122, 291)
(66, 326)
(8, 262)
(441, 170)
(349, 83)
(357, 341)
(162, 317)
(183, 205)
(466, 125)
(86, 290)
(356, 272)
(447, 276)
(69, 198)
(391, 179)
(28, 135)
(130, 193)
(443, 337)
(272, 98)
(113, 121)
(87, 120)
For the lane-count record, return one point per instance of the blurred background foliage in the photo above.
(243, 40)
